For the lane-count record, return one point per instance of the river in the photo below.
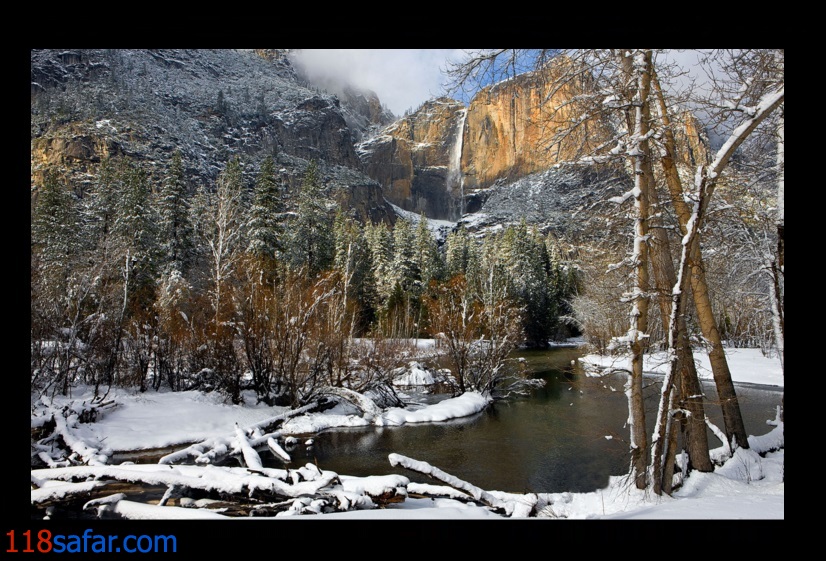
(569, 435)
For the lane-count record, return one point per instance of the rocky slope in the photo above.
(446, 160)
(88, 104)
(447, 156)
(416, 159)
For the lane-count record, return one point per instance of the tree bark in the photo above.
(732, 418)
(638, 315)
(685, 381)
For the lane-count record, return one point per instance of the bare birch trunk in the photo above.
(779, 307)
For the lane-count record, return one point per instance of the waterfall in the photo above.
(455, 177)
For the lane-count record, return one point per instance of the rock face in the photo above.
(495, 155)
(444, 160)
(435, 160)
(416, 159)
(511, 128)
(212, 105)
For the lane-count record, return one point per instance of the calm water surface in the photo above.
(568, 436)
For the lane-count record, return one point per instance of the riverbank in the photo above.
(749, 485)
(748, 366)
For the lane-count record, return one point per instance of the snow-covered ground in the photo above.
(747, 487)
(747, 366)
(439, 229)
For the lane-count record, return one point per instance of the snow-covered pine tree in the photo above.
(265, 225)
(405, 267)
(175, 228)
(55, 310)
(428, 258)
(380, 244)
(311, 243)
(353, 260)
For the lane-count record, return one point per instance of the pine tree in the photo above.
(135, 231)
(175, 228)
(99, 208)
(380, 244)
(265, 235)
(312, 238)
(457, 252)
(406, 272)
(528, 271)
(57, 300)
(55, 227)
(427, 257)
(352, 260)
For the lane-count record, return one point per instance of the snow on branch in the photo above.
(763, 109)
(132, 510)
(367, 405)
(225, 480)
(278, 450)
(251, 457)
(51, 491)
(88, 454)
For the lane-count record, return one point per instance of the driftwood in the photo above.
(251, 457)
(235, 491)
(278, 450)
(215, 450)
(58, 428)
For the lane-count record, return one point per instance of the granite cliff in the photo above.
(495, 156)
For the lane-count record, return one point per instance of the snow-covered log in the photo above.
(251, 457)
(87, 454)
(436, 473)
(131, 510)
(212, 479)
(367, 405)
(278, 450)
(382, 489)
(215, 449)
(59, 491)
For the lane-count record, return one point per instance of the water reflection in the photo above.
(570, 435)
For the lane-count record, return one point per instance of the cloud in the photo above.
(402, 78)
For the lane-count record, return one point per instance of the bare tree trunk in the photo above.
(779, 325)
(640, 67)
(732, 418)
(779, 307)
(685, 380)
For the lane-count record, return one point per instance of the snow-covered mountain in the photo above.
(212, 105)
(486, 163)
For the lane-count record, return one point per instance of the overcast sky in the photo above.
(402, 78)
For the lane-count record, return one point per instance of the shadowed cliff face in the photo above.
(412, 159)
(212, 105)
(437, 159)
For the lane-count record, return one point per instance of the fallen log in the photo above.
(513, 505)
(278, 450)
(222, 481)
(213, 450)
(434, 472)
(251, 457)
